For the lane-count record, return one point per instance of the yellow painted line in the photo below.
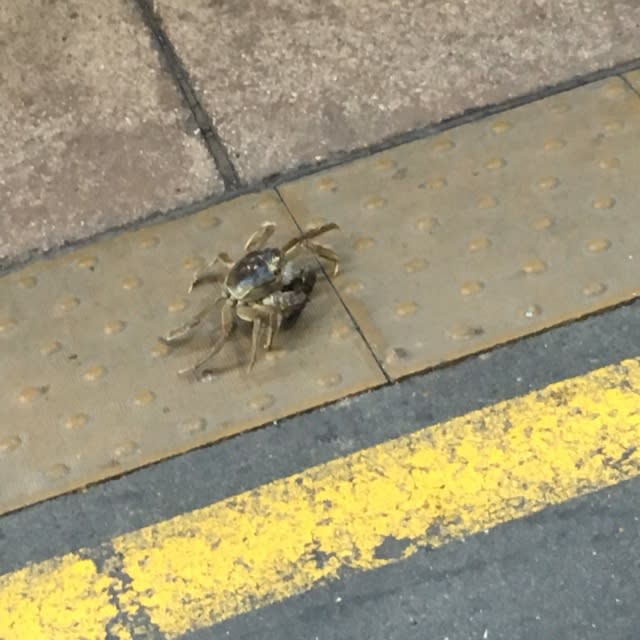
(61, 598)
(359, 512)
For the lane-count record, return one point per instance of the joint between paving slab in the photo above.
(176, 68)
(345, 306)
(336, 159)
(630, 85)
(472, 114)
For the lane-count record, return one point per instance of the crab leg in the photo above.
(259, 314)
(208, 273)
(187, 328)
(328, 254)
(260, 237)
(308, 235)
(225, 331)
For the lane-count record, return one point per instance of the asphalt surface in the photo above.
(570, 572)
(556, 574)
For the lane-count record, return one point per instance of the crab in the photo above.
(266, 288)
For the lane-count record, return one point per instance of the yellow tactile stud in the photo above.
(535, 226)
(93, 391)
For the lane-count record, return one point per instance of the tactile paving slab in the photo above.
(88, 391)
(489, 231)
(633, 77)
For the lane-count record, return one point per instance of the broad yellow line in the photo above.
(364, 510)
(60, 598)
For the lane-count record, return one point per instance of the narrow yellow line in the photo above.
(370, 508)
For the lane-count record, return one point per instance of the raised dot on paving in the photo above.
(598, 245)
(144, 398)
(609, 163)
(594, 288)
(9, 443)
(316, 221)
(262, 401)
(341, 331)
(542, 223)
(6, 324)
(28, 282)
(148, 241)
(275, 354)
(535, 265)
(479, 243)
(114, 326)
(76, 421)
(57, 471)
(554, 144)
(126, 449)
(406, 308)
(87, 262)
(471, 287)
(463, 332)
(613, 125)
(268, 202)
(160, 350)
(207, 220)
(385, 164)
(501, 126)
(444, 145)
(179, 304)
(548, 183)
(326, 184)
(192, 425)
(50, 347)
(67, 303)
(415, 265)
(487, 202)
(131, 282)
(395, 354)
(330, 380)
(604, 202)
(94, 373)
(532, 311)
(351, 286)
(614, 89)
(495, 163)
(29, 394)
(363, 243)
(436, 183)
(193, 263)
(427, 223)
(375, 202)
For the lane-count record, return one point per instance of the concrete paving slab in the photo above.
(94, 133)
(289, 82)
(89, 391)
(633, 78)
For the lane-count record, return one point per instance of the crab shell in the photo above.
(254, 276)
(261, 277)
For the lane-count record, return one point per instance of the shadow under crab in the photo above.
(266, 290)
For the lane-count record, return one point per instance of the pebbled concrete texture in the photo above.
(289, 82)
(93, 129)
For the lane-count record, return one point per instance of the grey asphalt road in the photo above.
(572, 571)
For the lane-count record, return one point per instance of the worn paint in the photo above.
(374, 507)
(61, 599)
